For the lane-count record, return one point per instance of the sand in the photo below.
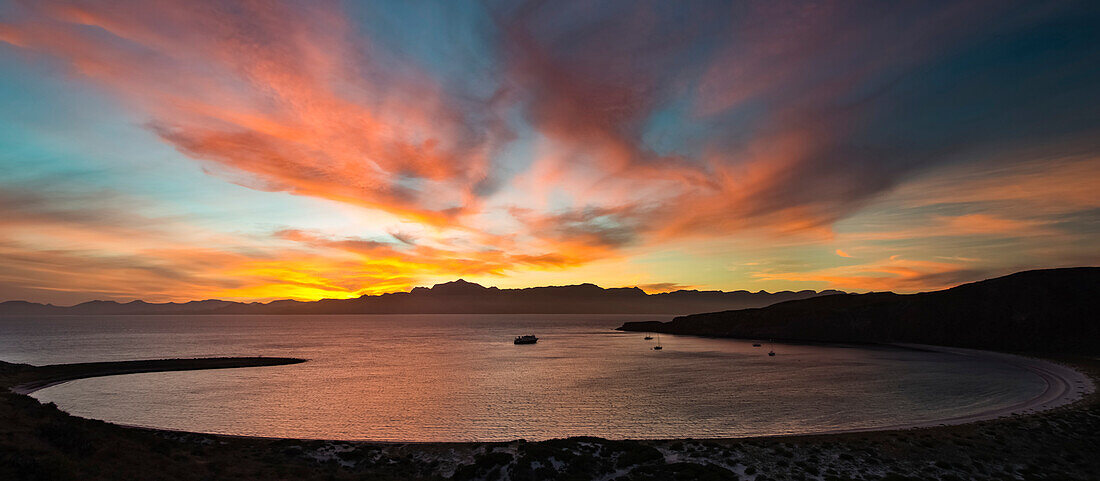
(1065, 385)
(53, 375)
(1057, 444)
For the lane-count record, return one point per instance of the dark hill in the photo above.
(1054, 310)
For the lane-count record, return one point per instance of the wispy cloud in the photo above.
(665, 287)
(586, 133)
(279, 97)
(893, 274)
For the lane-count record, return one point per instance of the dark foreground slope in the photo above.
(1053, 310)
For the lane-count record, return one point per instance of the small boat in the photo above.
(648, 337)
(658, 346)
(771, 353)
(756, 344)
(528, 339)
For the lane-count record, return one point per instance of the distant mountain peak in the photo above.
(455, 297)
(459, 286)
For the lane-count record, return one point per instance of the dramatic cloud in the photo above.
(876, 145)
(782, 128)
(279, 97)
(894, 274)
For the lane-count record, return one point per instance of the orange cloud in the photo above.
(1024, 183)
(428, 260)
(282, 94)
(657, 287)
(985, 224)
(893, 274)
(288, 97)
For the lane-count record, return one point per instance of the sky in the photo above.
(255, 150)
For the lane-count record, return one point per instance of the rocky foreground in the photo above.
(41, 442)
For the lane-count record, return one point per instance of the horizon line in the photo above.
(410, 290)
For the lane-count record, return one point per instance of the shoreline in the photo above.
(42, 442)
(1065, 386)
(55, 374)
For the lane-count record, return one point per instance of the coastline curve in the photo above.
(40, 377)
(1064, 385)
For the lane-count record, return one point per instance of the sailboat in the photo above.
(658, 346)
(772, 351)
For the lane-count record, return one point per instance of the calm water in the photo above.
(459, 378)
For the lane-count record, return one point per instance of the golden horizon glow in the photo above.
(185, 150)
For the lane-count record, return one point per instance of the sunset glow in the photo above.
(182, 150)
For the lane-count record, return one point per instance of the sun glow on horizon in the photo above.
(186, 150)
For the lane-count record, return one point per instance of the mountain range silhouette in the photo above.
(455, 297)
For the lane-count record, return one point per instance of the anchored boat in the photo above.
(528, 339)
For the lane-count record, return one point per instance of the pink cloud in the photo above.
(280, 97)
(290, 97)
(894, 274)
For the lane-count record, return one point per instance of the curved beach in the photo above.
(1064, 385)
(1057, 441)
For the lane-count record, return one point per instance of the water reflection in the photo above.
(454, 378)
